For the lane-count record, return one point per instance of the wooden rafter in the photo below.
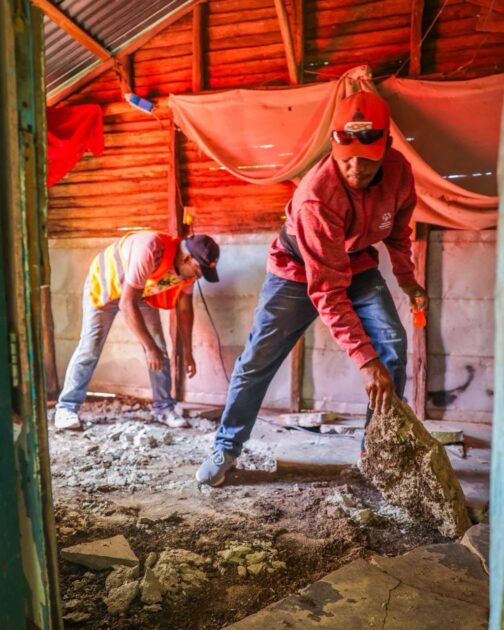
(198, 62)
(290, 53)
(130, 47)
(415, 62)
(73, 29)
(298, 36)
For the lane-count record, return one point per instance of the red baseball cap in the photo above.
(361, 111)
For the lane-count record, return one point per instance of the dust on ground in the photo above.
(125, 475)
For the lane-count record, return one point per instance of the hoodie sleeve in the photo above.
(398, 243)
(321, 240)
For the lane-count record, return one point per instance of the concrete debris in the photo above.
(119, 599)
(340, 429)
(71, 604)
(180, 570)
(121, 575)
(151, 559)
(153, 608)
(448, 437)
(151, 591)
(101, 554)
(253, 559)
(413, 471)
(76, 617)
(308, 419)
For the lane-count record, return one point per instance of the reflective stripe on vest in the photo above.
(107, 274)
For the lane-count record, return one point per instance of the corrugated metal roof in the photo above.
(111, 23)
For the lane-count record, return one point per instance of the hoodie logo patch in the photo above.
(386, 221)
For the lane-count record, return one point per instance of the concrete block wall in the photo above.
(461, 277)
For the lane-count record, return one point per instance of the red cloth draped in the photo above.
(71, 131)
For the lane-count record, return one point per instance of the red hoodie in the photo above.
(331, 221)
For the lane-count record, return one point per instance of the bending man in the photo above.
(323, 263)
(139, 274)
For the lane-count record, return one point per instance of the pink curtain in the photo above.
(448, 131)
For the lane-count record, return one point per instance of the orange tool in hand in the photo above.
(419, 319)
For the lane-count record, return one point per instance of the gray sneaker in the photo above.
(213, 470)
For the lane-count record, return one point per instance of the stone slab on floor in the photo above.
(101, 554)
(477, 540)
(302, 453)
(363, 595)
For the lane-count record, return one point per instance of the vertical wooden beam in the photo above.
(297, 368)
(415, 62)
(420, 251)
(51, 374)
(175, 217)
(298, 36)
(198, 57)
(124, 70)
(285, 30)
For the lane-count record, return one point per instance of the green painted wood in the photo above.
(497, 472)
(23, 231)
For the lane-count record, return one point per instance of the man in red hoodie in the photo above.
(323, 263)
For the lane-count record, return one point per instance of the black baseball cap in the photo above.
(206, 252)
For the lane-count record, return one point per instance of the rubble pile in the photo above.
(250, 559)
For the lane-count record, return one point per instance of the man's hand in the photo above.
(155, 358)
(189, 365)
(417, 297)
(378, 385)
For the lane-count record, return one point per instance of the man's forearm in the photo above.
(137, 325)
(185, 318)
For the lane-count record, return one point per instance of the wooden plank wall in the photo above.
(243, 47)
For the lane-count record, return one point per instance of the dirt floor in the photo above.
(126, 475)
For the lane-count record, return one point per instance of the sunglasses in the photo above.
(364, 136)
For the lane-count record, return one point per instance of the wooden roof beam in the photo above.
(290, 53)
(198, 56)
(73, 29)
(415, 62)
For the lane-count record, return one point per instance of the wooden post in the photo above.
(175, 217)
(285, 30)
(415, 62)
(297, 367)
(198, 61)
(298, 36)
(420, 250)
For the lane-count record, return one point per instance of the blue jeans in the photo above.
(96, 323)
(282, 315)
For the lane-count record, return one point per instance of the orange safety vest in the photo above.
(107, 272)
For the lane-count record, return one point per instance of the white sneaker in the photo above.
(172, 419)
(66, 419)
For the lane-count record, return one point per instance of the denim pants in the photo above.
(282, 315)
(96, 323)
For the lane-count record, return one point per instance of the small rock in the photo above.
(150, 588)
(67, 531)
(71, 604)
(278, 565)
(151, 559)
(145, 520)
(255, 558)
(121, 575)
(153, 608)
(167, 438)
(256, 569)
(76, 617)
(363, 516)
(119, 599)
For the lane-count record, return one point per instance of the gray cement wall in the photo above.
(461, 280)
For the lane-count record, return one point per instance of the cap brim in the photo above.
(210, 273)
(374, 151)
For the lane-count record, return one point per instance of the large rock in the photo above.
(413, 471)
(119, 599)
(101, 554)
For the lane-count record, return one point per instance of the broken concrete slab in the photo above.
(101, 554)
(364, 595)
(319, 455)
(308, 419)
(448, 570)
(412, 470)
(121, 575)
(477, 540)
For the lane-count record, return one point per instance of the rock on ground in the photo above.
(413, 471)
(151, 591)
(119, 599)
(179, 570)
(101, 554)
